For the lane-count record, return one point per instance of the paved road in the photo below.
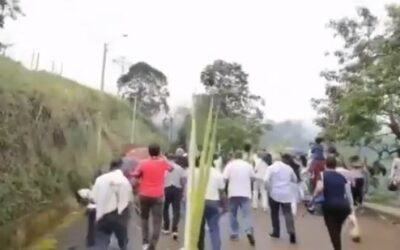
(377, 234)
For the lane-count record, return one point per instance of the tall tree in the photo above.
(9, 9)
(229, 82)
(362, 103)
(148, 85)
(240, 110)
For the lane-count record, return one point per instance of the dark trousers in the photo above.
(173, 196)
(211, 216)
(153, 206)
(91, 229)
(358, 191)
(112, 223)
(287, 213)
(334, 217)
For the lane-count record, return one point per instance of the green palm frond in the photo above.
(197, 182)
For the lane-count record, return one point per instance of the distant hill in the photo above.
(295, 134)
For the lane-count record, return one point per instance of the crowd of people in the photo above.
(239, 184)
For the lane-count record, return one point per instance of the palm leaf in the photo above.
(197, 182)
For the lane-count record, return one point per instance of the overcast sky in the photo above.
(281, 44)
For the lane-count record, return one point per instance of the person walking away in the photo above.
(259, 187)
(337, 204)
(112, 195)
(317, 161)
(247, 153)
(357, 170)
(239, 174)
(218, 162)
(215, 205)
(257, 158)
(182, 160)
(151, 175)
(279, 180)
(297, 188)
(395, 171)
(174, 186)
(343, 170)
(347, 174)
(305, 179)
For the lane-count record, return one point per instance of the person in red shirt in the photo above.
(150, 174)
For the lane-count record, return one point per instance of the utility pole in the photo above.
(133, 128)
(37, 61)
(33, 60)
(171, 129)
(103, 70)
(122, 62)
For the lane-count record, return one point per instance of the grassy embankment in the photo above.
(49, 129)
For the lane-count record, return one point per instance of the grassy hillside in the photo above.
(48, 137)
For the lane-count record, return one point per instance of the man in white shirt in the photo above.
(239, 175)
(259, 187)
(112, 194)
(174, 185)
(215, 201)
(280, 179)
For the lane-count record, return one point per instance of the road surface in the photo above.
(377, 234)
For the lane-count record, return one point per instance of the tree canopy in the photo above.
(362, 103)
(241, 117)
(9, 9)
(229, 83)
(148, 85)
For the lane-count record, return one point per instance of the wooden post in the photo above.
(33, 60)
(37, 61)
(133, 128)
(103, 70)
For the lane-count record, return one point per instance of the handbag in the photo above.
(355, 231)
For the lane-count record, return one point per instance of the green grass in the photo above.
(48, 137)
(46, 244)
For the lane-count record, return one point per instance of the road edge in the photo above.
(382, 209)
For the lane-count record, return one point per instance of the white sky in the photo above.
(281, 44)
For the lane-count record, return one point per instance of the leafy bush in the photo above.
(48, 137)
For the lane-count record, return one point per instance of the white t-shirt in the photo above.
(215, 184)
(347, 174)
(256, 159)
(218, 164)
(239, 174)
(260, 169)
(281, 180)
(111, 191)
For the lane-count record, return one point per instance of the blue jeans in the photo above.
(244, 204)
(211, 216)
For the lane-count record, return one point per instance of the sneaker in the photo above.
(251, 239)
(275, 236)
(145, 246)
(175, 236)
(166, 232)
(292, 238)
